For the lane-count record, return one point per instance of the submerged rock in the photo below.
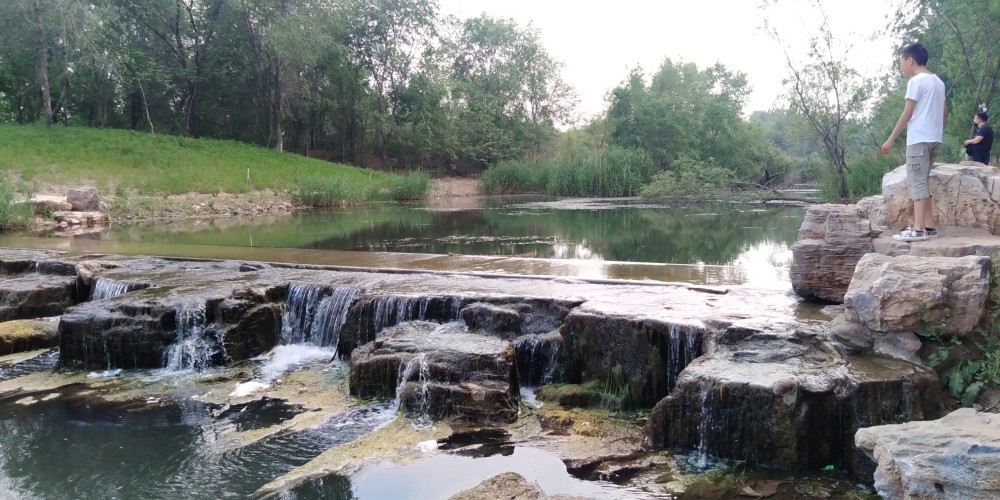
(439, 372)
(832, 240)
(957, 456)
(789, 401)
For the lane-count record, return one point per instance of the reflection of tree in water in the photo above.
(717, 234)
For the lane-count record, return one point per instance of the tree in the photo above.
(509, 90)
(388, 38)
(965, 48)
(826, 92)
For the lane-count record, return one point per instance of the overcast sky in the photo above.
(599, 41)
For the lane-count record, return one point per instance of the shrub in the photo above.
(689, 178)
(412, 186)
(611, 171)
(320, 191)
(13, 211)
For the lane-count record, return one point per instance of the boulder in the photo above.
(27, 335)
(832, 239)
(874, 209)
(509, 486)
(789, 401)
(33, 295)
(439, 372)
(890, 294)
(49, 205)
(83, 199)
(966, 194)
(956, 456)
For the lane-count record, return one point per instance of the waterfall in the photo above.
(193, 348)
(537, 357)
(683, 346)
(701, 457)
(105, 288)
(316, 314)
(392, 310)
(415, 366)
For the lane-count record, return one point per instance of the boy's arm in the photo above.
(945, 117)
(904, 118)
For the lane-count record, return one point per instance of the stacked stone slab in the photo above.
(957, 456)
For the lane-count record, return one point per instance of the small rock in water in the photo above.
(427, 446)
(247, 388)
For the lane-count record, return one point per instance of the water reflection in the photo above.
(718, 244)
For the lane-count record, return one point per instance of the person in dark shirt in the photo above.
(980, 146)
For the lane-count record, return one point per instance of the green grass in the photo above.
(12, 213)
(612, 171)
(123, 161)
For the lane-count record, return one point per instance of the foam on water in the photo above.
(287, 358)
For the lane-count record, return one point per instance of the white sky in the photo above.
(599, 42)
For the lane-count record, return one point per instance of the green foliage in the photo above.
(612, 171)
(967, 367)
(411, 186)
(689, 178)
(864, 178)
(14, 212)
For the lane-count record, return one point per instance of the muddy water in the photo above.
(624, 239)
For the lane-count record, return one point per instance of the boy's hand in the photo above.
(887, 147)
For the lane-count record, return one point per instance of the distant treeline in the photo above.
(371, 82)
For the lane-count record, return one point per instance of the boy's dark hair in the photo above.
(983, 116)
(917, 52)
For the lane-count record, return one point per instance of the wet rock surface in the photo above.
(789, 401)
(27, 335)
(32, 295)
(956, 456)
(439, 371)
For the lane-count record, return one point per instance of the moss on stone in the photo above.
(26, 335)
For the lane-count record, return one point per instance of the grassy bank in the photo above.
(612, 171)
(122, 161)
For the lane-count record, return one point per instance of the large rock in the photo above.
(34, 295)
(508, 486)
(832, 239)
(440, 372)
(27, 335)
(788, 401)
(957, 456)
(83, 199)
(967, 194)
(890, 294)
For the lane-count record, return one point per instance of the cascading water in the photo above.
(105, 288)
(701, 458)
(418, 366)
(537, 357)
(316, 314)
(193, 349)
(683, 346)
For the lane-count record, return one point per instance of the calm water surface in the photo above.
(620, 238)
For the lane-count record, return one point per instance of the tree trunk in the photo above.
(43, 64)
(276, 111)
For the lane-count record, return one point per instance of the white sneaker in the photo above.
(911, 235)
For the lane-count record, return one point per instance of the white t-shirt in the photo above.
(927, 122)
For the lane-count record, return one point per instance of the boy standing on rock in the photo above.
(924, 117)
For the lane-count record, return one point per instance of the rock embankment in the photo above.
(898, 289)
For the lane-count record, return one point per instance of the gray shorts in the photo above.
(919, 158)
